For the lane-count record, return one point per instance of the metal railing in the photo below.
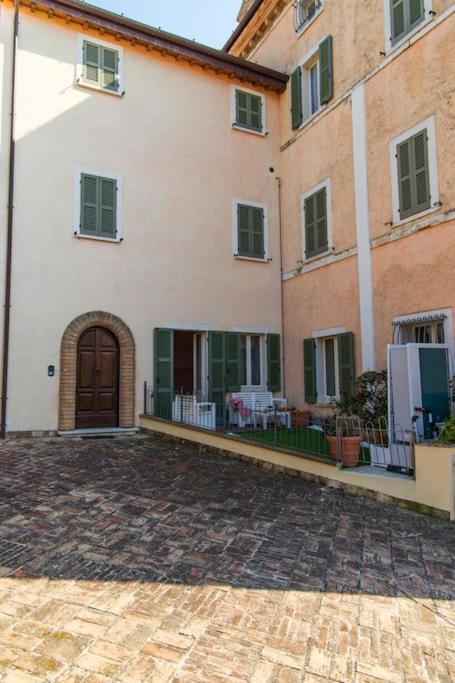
(346, 442)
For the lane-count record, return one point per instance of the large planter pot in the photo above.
(332, 441)
(350, 450)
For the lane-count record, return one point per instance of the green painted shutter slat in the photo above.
(108, 204)
(316, 235)
(273, 362)
(346, 363)
(398, 13)
(416, 12)
(321, 227)
(257, 232)
(89, 205)
(110, 69)
(421, 171)
(243, 215)
(91, 63)
(296, 98)
(248, 110)
(405, 173)
(164, 372)
(326, 70)
(310, 226)
(232, 361)
(217, 372)
(309, 370)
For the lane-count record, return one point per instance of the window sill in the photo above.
(416, 216)
(96, 88)
(311, 259)
(237, 257)
(311, 118)
(113, 240)
(262, 134)
(390, 49)
(307, 24)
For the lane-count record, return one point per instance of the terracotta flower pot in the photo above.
(350, 450)
(300, 418)
(332, 441)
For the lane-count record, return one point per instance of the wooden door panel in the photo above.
(97, 400)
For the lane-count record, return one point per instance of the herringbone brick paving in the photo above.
(136, 560)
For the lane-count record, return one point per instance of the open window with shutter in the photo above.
(98, 215)
(317, 219)
(405, 15)
(329, 367)
(250, 230)
(312, 83)
(100, 66)
(249, 111)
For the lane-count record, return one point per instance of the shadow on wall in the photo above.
(142, 510)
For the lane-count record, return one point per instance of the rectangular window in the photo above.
(430, 333)
(316, 223)
(100, 66)
(413, 174)
(405, 15)
(330, 370)
(251, 231)
(329, 367)
(98, 206)
(251, 360)
(248, 111)
(312, 83)
(314, 88)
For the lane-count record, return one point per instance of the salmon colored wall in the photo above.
(172, 141)
(420, 84)
(318, 300)
(413, 275)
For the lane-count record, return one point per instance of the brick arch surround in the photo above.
(68, 367)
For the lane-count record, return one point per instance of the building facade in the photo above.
(189, 218)
(367, 167)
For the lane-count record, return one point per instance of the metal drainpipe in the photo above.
(280, 222)
(9, 230)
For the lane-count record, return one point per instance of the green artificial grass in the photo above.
(300, 438)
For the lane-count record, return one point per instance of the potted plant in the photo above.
(367, 405)
(447, 434)
(300, 417)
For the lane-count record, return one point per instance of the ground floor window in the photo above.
(329, 367)
(433, 327)
(251, 360)
(425, 334)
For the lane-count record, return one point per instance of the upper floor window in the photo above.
(317, 220)
(312, 83)
(100, 66)
(249, 111)
(98, 209)
(250, 230)
(414, 171)
(305, 12)
(406, 15)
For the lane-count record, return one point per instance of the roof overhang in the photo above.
(255, 24)
(168, 44)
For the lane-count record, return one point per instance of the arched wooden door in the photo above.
(97, 389)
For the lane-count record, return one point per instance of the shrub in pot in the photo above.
(447, 434)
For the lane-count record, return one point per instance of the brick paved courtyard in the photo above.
(136, 560)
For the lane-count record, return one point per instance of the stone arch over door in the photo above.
(68, 367)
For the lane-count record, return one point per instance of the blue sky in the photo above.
(208, 21)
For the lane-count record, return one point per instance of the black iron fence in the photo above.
(267, 421)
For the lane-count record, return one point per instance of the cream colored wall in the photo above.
(433, 485)
(171, 139)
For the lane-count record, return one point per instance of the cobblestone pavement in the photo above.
(138, 560)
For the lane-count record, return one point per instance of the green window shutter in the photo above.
(110, 69)
(273, 362)
(248, 110)
(296, 98)
(91, 63)
(164, 373)
(326, 70)
(232, 361)
(398, 14)
(309, 370)
(416, 12)
(250, 225)
(89, 205)
(346, 363)
(217, 373)
(108, 208)
(316, 236)
(413, 175)
(421, 171)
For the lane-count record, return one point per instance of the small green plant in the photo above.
(369, 401)
(447, 434)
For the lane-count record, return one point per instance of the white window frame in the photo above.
(263, 356)
(80, 65)
(430, 125)
(389, 48)
(327, 183)
(234, 123)
(319, 337)
(300, 31)
(235, 231)
(83, 170)
(417, 319)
